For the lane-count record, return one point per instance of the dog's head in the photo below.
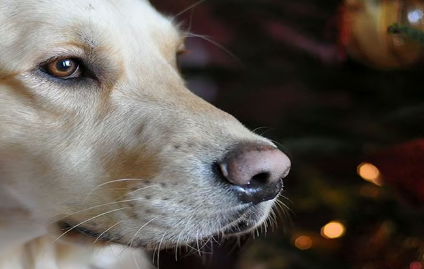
(98, 131)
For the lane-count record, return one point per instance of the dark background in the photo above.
(279, 66)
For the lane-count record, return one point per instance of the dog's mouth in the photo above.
(240, 227)
(241, 224)
(81, 233)
(245, 222)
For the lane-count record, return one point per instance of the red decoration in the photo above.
(402, 167)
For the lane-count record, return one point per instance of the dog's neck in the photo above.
(14, 233)
(26, 243)
(17, 225)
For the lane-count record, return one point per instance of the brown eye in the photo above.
(64, 68)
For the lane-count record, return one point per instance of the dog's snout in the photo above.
(254, 164)
(255, 171)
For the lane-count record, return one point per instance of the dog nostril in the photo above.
(261, 178)
(254, 171)
(217, 170)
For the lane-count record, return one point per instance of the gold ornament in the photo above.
(385, 34)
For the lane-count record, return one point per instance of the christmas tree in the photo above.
(285, 68)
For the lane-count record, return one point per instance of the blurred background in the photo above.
(339, 86)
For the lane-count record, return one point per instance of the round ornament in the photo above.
(386, 34)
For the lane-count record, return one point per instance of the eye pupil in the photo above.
(64, 65)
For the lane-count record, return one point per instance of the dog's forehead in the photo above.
(132, 24)
(122, 15)
(129, 20)
(113, 13)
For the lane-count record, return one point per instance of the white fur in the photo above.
(135, 134)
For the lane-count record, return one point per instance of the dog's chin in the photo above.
(244, 222)
(83, 235)
(240, 228)
(79, 234)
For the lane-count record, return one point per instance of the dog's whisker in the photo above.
(110, 182)
(120, 180)
(204, 246)
(185, 224)
(208, 39)
(267, 129)
(264, 227)
(283, 213)
(87, 220)
(215, 239)
(211, 245)
(285, 198)
(135, 261)
(280, 209)
(105, 231)
(191, 249)
(280, 146)
(138, 231)
(136, 190)
(178, 245)
(181, 242)
(283, 206)
(259, 128)
(107, 189)
(189, 8)
(126, 247)
(130, 242)
(95, 207)
(190, 21)
(270, 222)
(155, 255)
(197, 243)
(273, 219)
(110, 203)
(159, 248)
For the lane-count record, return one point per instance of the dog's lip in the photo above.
(242, 224)
(240, 227)
(251, 192)
(79, 230)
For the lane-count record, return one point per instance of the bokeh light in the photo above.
(303, 242)
(333, 230)
(369, 172)
(416, 265)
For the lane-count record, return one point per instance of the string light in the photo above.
(333, 230)
(369, 172)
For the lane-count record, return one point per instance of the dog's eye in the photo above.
(64, 68)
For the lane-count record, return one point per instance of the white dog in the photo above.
(104, 151)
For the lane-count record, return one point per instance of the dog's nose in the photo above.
(255, 172)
